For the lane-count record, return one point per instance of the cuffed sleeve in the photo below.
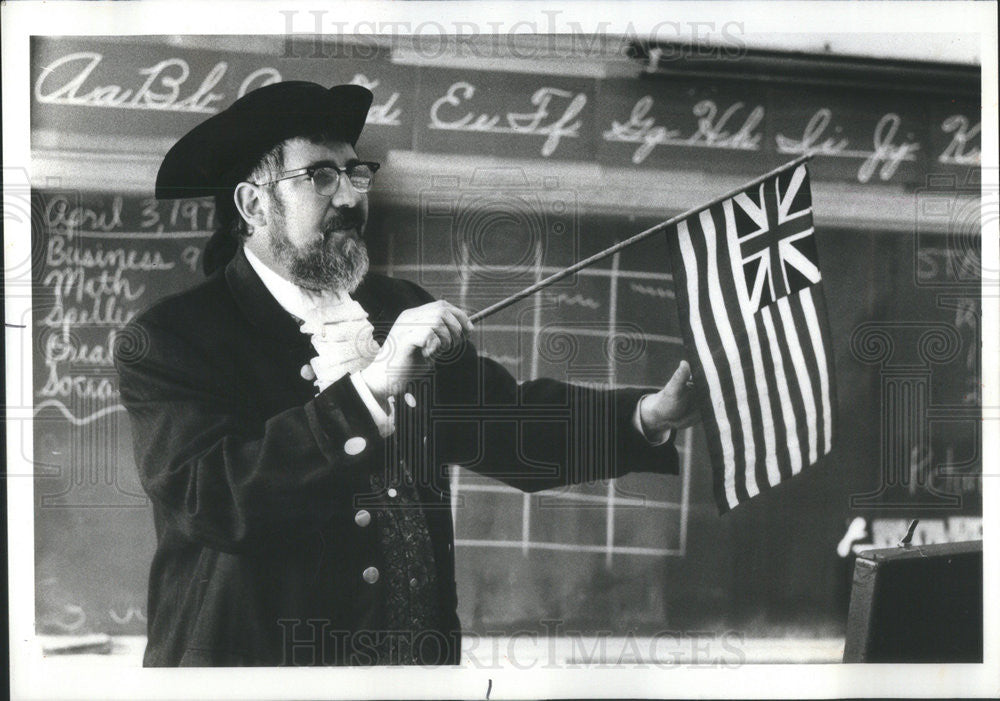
(386, 422)
(654, 438)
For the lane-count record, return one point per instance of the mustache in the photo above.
(344, 219)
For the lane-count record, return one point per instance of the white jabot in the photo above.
(339, 331)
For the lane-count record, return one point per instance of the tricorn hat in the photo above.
(214, 156)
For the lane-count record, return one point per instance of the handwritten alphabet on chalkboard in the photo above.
(161, 89)
(884, 157)
(70, 80)
(577, 300)
(387, 112)
(722, 125)
(554, 116)
(713, 128)
(959, 151)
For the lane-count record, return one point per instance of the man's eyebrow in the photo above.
(328, 162)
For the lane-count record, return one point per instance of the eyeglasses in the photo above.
(326, 178)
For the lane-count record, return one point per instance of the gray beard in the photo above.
(328, 265)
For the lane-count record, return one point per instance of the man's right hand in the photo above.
(419, 336)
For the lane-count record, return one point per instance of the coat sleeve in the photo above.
(539, 434)
(544, 434)
(219, 473)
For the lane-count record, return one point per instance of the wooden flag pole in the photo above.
(556, 277)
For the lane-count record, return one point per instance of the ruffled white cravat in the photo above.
(341, 334)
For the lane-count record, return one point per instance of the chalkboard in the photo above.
(644, 553)
(100, 258)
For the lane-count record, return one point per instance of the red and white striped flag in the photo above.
(752, 312)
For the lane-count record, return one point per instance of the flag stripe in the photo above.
(820, 302)
(689, 311)
(801, 322)
(732, 353)
(816, 338)
(728, 403)
(784, 391)
(708, 366)
(771, 379)
(767, 472)
(794, 345)
(794, 390)
(754, 469)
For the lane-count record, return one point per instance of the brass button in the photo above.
(370, 575)
(353, 446)
(414, 582)
(362, 518)
(410, 400)
(392, 493)
(307, 372)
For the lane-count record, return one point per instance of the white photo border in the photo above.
(33, 678)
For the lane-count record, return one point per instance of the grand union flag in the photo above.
(752, 312)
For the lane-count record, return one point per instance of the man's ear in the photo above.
(249, 204)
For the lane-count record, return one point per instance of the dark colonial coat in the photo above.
(256, 482)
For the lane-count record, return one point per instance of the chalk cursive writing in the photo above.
(66, 218)
(384, 113)
(712, 127)
(577, 300)
(381, 113)
(886, 154)
(712, 130)
(553, 116)
(651, 290)
(821, 136)
(80, 386)
(79, 298)
(132, 612)
(958, 151)
(161, 89)
(66, 352)
(815, 138)
(258, 79)
(60, 253)
(60, 348)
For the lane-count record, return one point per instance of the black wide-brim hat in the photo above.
(212, 158)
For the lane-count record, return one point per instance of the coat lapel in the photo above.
(374, 303)
(277, 325)
(262, 310)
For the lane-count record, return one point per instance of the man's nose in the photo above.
(345, 195)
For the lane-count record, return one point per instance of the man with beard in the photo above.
(294, 416)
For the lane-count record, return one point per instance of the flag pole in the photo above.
(556, 277)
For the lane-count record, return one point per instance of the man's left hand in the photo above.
(672, 407)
